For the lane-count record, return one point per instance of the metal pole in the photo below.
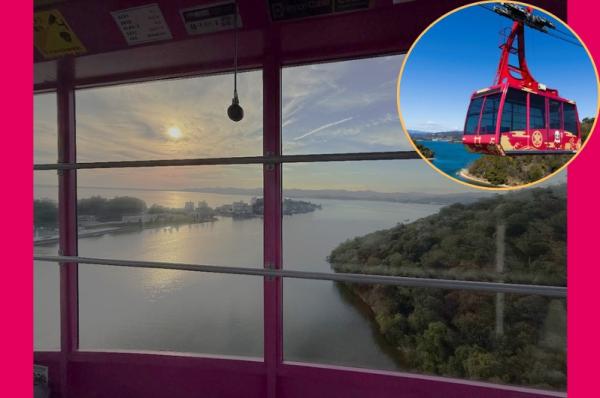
(500, 250)
(371, 279)
(67, 219)
(273, 323)
(321, 157)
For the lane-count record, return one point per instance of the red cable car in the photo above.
(518, 115)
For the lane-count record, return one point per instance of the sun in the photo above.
(174, 132)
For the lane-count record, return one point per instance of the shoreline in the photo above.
(468, 177)
(122, 228)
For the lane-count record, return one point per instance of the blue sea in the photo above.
(450, 157)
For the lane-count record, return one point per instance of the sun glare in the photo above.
(174, 132)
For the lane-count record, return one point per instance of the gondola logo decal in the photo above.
(537, 139)
(53, 37)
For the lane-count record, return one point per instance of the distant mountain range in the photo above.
(453, 136)
(341, 194)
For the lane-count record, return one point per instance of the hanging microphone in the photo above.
(235, 111)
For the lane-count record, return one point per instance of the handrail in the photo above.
(489, 287)
(325, 157)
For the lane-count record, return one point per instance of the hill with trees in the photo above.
(426, 152)
(454, 333)
(516, 170)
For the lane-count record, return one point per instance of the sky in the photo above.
(338, 107)
(347, 106)
(460, 54)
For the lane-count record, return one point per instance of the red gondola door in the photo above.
(538, 131)
(555, 125)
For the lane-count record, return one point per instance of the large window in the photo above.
(555, 120)
(570, 116)
(357, 116)
(45, 145)
(179, 246)
(489, 115)
(46, 314)
(514, 113)
(169, 119)
(199, 215)
(473, 116)
(537, 112)
(209, 215)
(400, 218)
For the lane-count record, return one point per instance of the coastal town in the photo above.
(98, 216)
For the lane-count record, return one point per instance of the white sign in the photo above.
(209, 18)
(142, 24)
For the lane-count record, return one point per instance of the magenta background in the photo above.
(16, 296)
(583, 222)
(16, 301)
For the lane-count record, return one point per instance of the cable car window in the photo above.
(473, 116)
(537, 112)
(555, 115)
(570, 116)
(514, 113)
(490, 114)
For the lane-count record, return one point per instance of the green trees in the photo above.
(454, 333)
(110, 209)
(586, 127)
(428, 153)
(45, 213)
(516, 170)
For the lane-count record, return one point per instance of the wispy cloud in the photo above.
(323, 127)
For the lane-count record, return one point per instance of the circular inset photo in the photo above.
(498, 95)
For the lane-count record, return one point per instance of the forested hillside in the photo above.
(455, 333)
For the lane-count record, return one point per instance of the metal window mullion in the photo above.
(272, 239)
(67, 219)
(417, 282)
(267, 159)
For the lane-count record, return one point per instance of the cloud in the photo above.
(323, 127)
(432, 126)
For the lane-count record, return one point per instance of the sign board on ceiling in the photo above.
(142, 24)
(209, 18)
(53, 37)
(282, 10)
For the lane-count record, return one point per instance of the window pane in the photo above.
(181, 118)
(326, 109)
(46, 306)
(537, 112)
(570, 117)
(514, 113)
(413, 222)
(46, 315)
(169, 310)
(489, 114)
(45, 212)
(45, 128)
(473, 116)
(555, 122)
(199, 215)
(499, 338)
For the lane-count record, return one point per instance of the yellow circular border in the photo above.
(405, 129)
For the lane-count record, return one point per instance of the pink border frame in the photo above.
(583, 221)
(109, 374)
(288, 379)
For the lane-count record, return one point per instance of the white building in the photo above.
(139, 218)
(189, 206)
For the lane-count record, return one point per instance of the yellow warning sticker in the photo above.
(53, 36)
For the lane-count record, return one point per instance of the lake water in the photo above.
(450, 157)
(143, 309)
